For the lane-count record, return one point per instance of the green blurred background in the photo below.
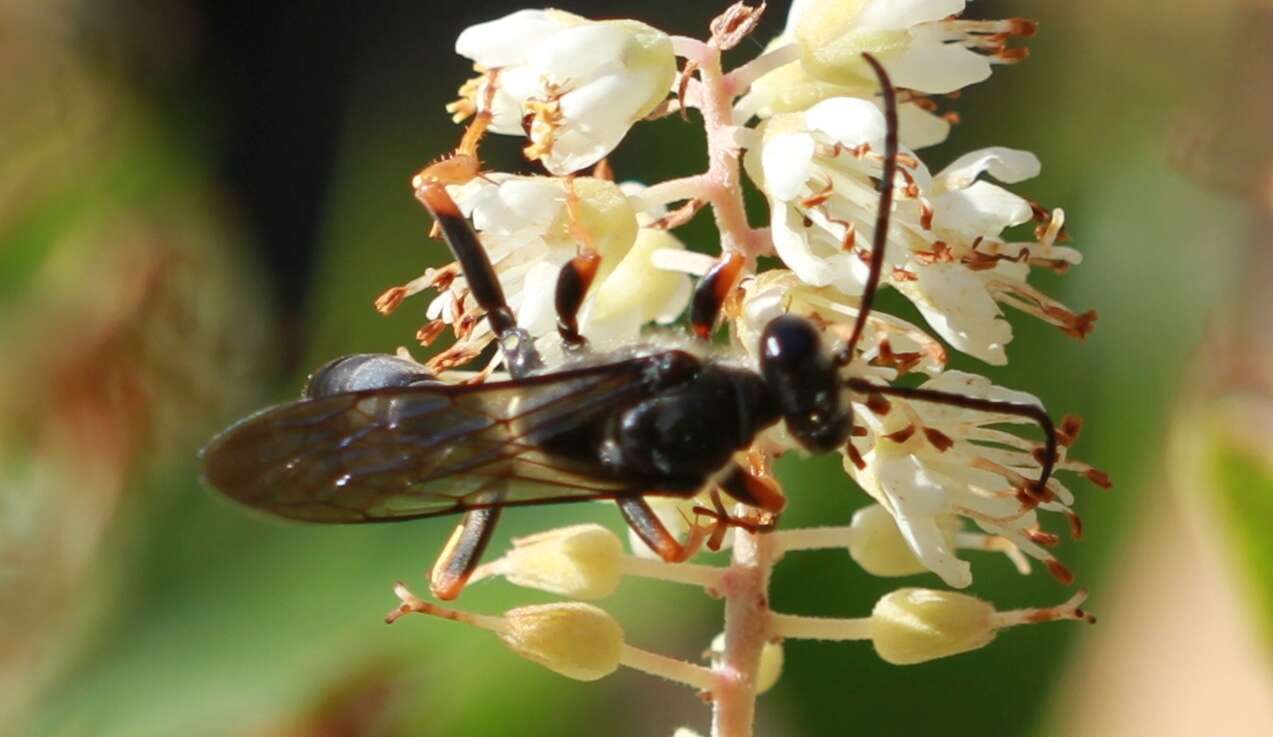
(200, 200)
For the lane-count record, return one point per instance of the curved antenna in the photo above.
(1028, 411)
(882, 214)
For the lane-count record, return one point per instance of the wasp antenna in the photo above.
(1028, 411)
(882, 215)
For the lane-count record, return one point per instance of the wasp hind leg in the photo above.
(462, 552)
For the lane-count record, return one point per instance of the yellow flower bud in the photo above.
(915, 625)
(576, 640)
(770, 670)
(581, 562)
(879, 547)
(636, 292)
(606, 216)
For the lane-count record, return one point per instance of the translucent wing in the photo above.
(401, 453)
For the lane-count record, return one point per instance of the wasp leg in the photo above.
(711, 293)
(752, 489)
(572, 287)
(462, 552)
(647, 526)
(722, 521)
(520, 355)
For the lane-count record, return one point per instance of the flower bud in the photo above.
(771, 660)
(770, 670)
(915, 625)
(576, 640)
(637, 292)
(581, 562)
(879, 547)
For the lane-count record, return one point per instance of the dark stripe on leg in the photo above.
(572, 288)
(520, 355)
(647, 526)
(711, 293)
(462, 553)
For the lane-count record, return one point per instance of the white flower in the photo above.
(924, 461)
(529, 232)
(581, 83)
(919, 42)
(945, 251)
(790, 88)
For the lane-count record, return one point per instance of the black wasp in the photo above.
(376, 438)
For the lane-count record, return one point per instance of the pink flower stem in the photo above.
(748, 626)
(722, 183)
(745, 583)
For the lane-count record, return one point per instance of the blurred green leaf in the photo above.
(1244, 493)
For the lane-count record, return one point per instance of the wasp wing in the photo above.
(401, 453)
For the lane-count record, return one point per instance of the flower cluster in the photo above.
(807, 122)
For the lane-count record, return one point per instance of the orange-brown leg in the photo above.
(572, 288)
(753, 489)
(711, 293)
(647, 526)
(462, 552)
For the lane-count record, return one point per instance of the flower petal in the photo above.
(936, 67)
(1008, 165)
(917, 499)
(848, 120)
(794, 250)
(787, 161)
(956, 304)
(898, 14)
(509, 40)
(982, 209)
(536, 313)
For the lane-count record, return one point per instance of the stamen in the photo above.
(1071, 609)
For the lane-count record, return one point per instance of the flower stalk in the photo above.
(825, 143)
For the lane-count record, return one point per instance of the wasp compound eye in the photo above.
(363, 371)
(803, 380)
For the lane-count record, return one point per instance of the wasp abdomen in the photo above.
(363, 371)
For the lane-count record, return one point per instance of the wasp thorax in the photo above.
(804, 384)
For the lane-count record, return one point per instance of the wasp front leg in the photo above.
(753, 487)
(520, 355)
